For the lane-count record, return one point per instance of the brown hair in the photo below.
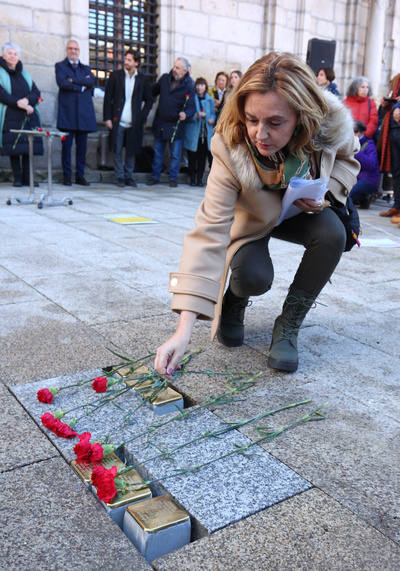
(288, 76)
(201, 81)
(221, 73)
(328, 71)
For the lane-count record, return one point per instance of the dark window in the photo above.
(117, 25)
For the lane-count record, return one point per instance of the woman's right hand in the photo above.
(171, 352)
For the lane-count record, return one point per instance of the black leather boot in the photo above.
(231, 327)
(283, 353)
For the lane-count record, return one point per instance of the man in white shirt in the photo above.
(127, 102)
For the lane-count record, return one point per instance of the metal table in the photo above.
(45, 199)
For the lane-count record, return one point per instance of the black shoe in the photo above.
(120, 182)
(173, 183)
(231, 327)
(17, 183)
(365, 202)
(152, 181)
(82, 181)
(131, 182)
(35, 184)
(200, 183)
(67, 181)
(192, 180)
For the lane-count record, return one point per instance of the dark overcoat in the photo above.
(171, 102)
(114, 101)
(75, 107)
(16, 118)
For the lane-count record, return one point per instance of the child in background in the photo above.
(369, 176)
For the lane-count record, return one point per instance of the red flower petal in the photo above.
(100, 384)
(104, 481)
(55, 425)
(44, 395)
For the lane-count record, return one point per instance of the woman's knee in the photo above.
(246, 283)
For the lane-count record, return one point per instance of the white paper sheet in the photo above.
(301, 188)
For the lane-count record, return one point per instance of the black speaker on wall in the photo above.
(320, 53)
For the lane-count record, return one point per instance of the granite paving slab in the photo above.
(53, 521)
(353, 455)
(39, 339)
(122, 299)
(309, 531)
(217, 495)
(15, 424)
(15, 290)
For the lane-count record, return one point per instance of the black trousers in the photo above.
(323, 237)
(20, 168)
(395, 165)
(197, 160)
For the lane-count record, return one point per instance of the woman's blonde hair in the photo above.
(288, 76)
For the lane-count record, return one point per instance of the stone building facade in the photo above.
(216, 35)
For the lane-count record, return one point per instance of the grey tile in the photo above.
(308, 531)
(52, 521)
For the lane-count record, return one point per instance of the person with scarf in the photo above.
(389, 143)
(198, 132)
(277, 124)
(19, 97)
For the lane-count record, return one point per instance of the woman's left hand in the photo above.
(311, 206)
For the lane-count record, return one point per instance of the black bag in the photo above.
(349, 216)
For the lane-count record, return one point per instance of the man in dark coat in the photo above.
(127, 102)
(175, 106)
(75, 110)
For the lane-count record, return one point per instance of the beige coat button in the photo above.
(174, 282)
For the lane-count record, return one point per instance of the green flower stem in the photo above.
(228, 428)
(211, 401)
(313, 415)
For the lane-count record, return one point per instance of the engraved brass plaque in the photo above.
(163, 397)
(84, 469)
(157, 513)
(134, 369)
(132, 494)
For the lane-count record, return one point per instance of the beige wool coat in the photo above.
(237, 210)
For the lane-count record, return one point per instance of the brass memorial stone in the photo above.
(84, 469)
(133, 494)
(157, 513)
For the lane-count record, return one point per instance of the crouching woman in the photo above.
(276, 125)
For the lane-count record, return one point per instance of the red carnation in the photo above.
(187, 95)
(87, 452)
(115, 118)
(63, 138)
(44, 395)
(100, 384)
(39, 129)
(55, 425)
(40, 99)
(104, 481)
(48, 133)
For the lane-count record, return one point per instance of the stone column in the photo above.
(374, 46)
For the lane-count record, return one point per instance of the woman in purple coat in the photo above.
(369, 176)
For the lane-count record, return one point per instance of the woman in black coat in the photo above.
(18, 98)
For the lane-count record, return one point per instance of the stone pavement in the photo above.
(74, 283)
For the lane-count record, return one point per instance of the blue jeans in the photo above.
(175, 158)
(123, 171)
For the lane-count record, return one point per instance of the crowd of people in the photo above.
(186, 118)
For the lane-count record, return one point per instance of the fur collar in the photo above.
(335, 131)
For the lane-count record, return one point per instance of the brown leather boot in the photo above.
(391, 212)
(395, 219)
